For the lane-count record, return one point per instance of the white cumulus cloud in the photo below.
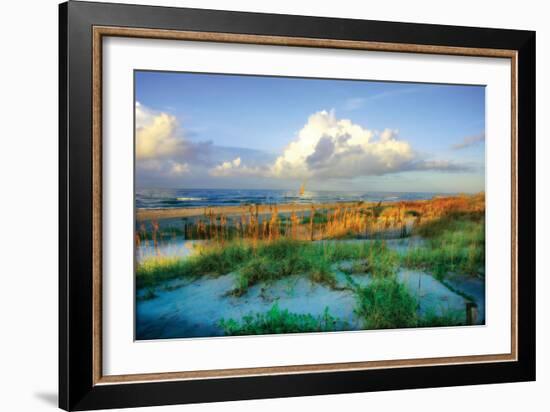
(331, 147)
(162, 148)
(157, 134)
(236, 168)
(328, 147)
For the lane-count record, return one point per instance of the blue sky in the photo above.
(232, 131)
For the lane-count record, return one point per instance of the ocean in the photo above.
(154, 198)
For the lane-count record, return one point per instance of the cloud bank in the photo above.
(327, 147)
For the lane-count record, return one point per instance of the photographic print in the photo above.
(237, 196)
(272, 205)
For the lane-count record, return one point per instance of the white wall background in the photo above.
(28, 203)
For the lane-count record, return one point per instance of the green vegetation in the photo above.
(155, 270)
(319, 218)
(212, 260)
(385, 303)
(268, 261)
(276, 320)
(456, 243)
(261, 249)
(448, 318)
(266, 269)
(380, 261)
(282, 258)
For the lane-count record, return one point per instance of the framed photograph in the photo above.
(257, 205)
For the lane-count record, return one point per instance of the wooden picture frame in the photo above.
(83, 26)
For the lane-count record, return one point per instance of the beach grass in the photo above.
(264, 261)
(454, 231)
(277, 320)
(329, 247)
(351, 220)
(385, 303)
(456, 244)
(212, 260)
(447, 318)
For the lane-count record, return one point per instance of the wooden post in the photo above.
(471, 313)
